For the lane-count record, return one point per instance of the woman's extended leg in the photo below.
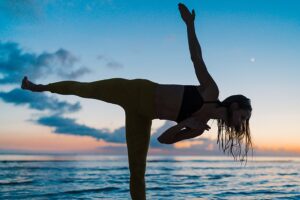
(118, 91)
(137, 95)
(115, 90)
(137, 137)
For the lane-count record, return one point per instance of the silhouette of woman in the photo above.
(189, 105)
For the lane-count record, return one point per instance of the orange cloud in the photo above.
(52, 142)
(291, 148)
(187, 144)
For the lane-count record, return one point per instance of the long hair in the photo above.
(235, 140)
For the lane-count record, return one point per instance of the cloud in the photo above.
(170, 38)
(69, 126)
(32, 9)
(114, 65)
(110, 63)
(15, 63)
(206, 146)
(74, 74)
(38, 101)
(252, 60)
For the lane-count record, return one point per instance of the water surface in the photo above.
(167, 177)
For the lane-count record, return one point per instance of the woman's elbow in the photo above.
(164, 140)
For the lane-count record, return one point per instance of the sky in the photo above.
(249, 47)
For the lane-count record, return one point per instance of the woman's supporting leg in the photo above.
(137, 137)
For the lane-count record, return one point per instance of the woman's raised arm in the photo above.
(202, 74)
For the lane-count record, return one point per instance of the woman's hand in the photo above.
(188, 128)
(174, 134)
(186, 15)
(195, 123)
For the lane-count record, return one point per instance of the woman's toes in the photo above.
(25, 83)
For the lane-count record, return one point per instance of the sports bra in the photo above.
(191, 102)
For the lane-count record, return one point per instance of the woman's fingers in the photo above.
(180, 5)
(183, 9)
(24, 82)
(186, 15)
(193, 13)
(207, 127)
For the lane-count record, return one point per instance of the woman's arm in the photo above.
(170, 137)
(202, 74)
(186, 129)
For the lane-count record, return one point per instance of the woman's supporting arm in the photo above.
(184, 130)
(170, 136)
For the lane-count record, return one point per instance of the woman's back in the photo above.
(168, 98)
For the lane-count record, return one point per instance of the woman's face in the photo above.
(239, 116)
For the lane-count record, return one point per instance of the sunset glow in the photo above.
(250, 48)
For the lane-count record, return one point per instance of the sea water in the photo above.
(167, 177)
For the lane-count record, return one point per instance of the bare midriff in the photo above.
(168, 99)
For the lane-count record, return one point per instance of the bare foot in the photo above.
(28, 85)
(25, 83)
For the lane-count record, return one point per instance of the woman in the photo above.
(189, 105)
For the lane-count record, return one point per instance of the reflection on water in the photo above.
(168, 177)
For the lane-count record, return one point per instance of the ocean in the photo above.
(167, 177)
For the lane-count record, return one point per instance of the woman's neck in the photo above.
(219, 113)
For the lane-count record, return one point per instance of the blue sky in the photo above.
(250, 47)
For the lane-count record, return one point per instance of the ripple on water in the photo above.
(17, 182)
(288, 174)
(77, 192)
(218, 176)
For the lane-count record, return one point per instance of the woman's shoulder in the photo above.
(170, 87)
(208, 93)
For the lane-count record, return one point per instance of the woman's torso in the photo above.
(169, 99)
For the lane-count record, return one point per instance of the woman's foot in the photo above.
(28, 85)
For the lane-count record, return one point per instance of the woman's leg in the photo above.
(118, 91)
(137, 95)
(137, 99)
(137, 137)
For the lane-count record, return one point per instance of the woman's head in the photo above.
(233, 131)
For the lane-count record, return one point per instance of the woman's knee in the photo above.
(137, 169)
(137, 178)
